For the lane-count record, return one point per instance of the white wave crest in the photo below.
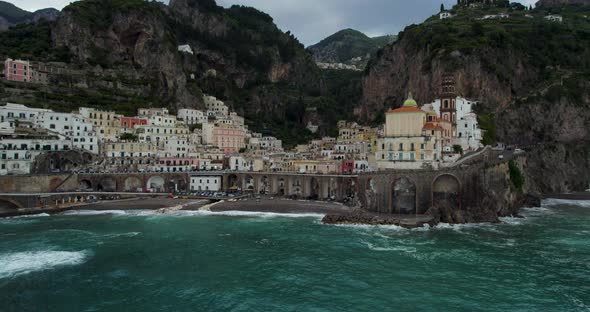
(39, 215)
(556, 202)
(512, 220)
(19, 263)
(93, 212)
(394, 248)
(247, 214)
(372, 227)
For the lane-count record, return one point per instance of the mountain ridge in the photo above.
(11, 15)
(348, 46)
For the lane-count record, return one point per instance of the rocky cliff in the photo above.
(129, 50)
(530, 74)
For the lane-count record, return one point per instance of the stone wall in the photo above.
(37, 183)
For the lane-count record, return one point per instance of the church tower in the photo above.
(448, 96)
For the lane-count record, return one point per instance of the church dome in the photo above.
(410, 102)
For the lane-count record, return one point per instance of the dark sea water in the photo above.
(263, 262)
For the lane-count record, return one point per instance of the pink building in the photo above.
(347, 166)
(131, 122)
(23, 71)
(229, 139)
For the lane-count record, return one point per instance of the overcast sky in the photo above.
(313, 20)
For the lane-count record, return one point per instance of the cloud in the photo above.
(313, 20)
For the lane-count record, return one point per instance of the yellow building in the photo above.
(108, 124)
(406, 121)
(410, 141)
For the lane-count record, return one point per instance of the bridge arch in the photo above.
(85, 184)
(446, 191)
(156, 183)
(232, 182)
(282, 187)
(132, 184)
(249, 183)
(403, 196)
(107, 184)
(314, 188)
(264, 185)
(9, 204)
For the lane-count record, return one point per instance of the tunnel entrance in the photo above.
(404, 197)
(446, 192)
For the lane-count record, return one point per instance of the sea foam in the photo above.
(20, 263)
(93, 212)
(247, 214)
(555, 202)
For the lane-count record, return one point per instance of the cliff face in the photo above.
(540, 96)
(135, 41)
(403, 68)
(555, 126)
(236, 54)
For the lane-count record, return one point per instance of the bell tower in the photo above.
(448, 96)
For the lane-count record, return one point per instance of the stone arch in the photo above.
(85, 184)
(314, 188)
(132, 184)
(332, 188)
(156, 183)
(282, 187)
(446, 191)
(371, 194)
(232, 182)
(54, 184)
(249, 183)
(403, 196)
(107, 184)
(9, 204)
(297, 187)
(264, 185)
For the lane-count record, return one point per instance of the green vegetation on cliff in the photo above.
(12, 13)
(32, 42)
(543, 42)
(516, 176)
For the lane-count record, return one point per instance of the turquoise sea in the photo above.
(138, 261)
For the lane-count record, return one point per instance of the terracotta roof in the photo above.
(431, 126)
(406, 109)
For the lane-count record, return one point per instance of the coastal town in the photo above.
(414, 137)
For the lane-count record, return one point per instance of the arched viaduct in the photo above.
(134, 182)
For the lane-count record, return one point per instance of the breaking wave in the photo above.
(248, 214)
(556, 202)
(20, 263)
(92, 212)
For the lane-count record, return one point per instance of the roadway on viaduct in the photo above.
(397, 191)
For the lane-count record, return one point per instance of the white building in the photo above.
(192, 116)
(72, 126)
(12, 112)
(215, 105)
(17, 154)
(554, 18)
(205, 183)
(445, 15)
(468, 132)
(185, 48)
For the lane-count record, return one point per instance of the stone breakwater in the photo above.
(360, 217)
